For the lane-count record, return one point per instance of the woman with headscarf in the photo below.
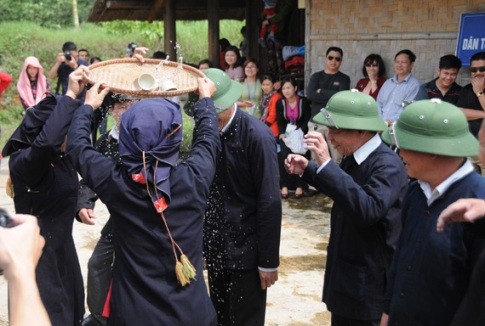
(157, 207)
(45, 185)
(101, 261)
(32, 85)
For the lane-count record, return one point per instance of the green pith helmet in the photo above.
(351, 110)
(227, 92)
(434, 127)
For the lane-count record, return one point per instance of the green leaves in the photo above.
(48, 13)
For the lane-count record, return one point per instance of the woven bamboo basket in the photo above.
(121, 76)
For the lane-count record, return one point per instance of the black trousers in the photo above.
(237, 297)
(291, 181)
(100, 267)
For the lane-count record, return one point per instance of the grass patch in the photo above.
(19, 40)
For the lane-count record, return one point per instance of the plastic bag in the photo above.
(294, 139)
(290, 51)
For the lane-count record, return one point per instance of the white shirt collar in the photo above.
(405, 80)
(432, 195)
(114, 133)
(365, 150)
(224, 129)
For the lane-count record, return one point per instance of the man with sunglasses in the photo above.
(400, 88)
(322, 86)
(472, 96)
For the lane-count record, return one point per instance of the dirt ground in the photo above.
(295, 300)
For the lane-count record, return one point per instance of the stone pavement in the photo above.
(295, 300)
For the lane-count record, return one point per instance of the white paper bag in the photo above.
(294, 139)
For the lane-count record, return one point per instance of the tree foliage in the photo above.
(152, 31)
(47, 13)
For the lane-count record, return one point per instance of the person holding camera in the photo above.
(67, 61)
(20, 249)
(130, 49)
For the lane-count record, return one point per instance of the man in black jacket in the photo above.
(243, 216)
(67, 61)
(322, 86)
(367, 190)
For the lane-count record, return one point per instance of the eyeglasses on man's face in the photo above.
(331, 58)
(475, 69)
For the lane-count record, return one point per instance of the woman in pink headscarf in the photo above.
(32, 85)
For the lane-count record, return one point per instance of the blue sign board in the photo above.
(471, 37)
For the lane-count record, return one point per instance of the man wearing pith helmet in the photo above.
(367, 189)
(430, 270)
(243, 213)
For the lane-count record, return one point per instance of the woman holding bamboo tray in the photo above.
(157, 207)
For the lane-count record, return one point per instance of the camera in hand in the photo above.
(130, 49)
(5, 218)
(67, 55)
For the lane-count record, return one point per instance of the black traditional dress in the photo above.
(45, 185)
(145, 290)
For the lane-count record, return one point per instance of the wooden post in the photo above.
(213, 19)
(75, 14)
(253, 24)
(308, 43)
(170, 38)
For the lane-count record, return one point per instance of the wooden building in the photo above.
(360, 27)
(171, 10)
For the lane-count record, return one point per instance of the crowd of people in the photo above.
(392, 154)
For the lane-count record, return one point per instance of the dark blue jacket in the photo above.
(430, 270)
(472, 307)
(365, 226)
(243, 217)
(145, 290)
(86, 198)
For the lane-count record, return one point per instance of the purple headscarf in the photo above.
(146, 129)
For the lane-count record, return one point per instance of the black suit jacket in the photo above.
(365, 226)
(243, 216)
